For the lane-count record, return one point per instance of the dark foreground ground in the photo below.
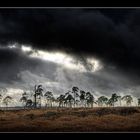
(71, 120)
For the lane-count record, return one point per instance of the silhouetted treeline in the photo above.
(72, 98)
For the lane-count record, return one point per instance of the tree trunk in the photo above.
(40, 102)
(35, 100)
(74, 100)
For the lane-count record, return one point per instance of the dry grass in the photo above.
(71, 120)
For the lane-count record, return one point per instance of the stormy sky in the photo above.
(94, 49)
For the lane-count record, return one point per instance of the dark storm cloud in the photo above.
(13, 61)
(112, 35)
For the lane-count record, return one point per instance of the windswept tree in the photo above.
(75, 93)
(113, 99)
(61, 100)
(65, 101)
(110, 102)
(29, 103)
(23, 99)
(128, 99)
(69, 99)
(48, 98)
(82, 97)
(7, 100)
(37, 95)
(89, 99)
(102, 100)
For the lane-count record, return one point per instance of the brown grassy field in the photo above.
(71, 120)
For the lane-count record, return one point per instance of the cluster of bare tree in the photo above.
(73, 98)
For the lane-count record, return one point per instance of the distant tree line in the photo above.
(72, 98)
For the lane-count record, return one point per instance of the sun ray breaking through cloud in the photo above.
(63, 59)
